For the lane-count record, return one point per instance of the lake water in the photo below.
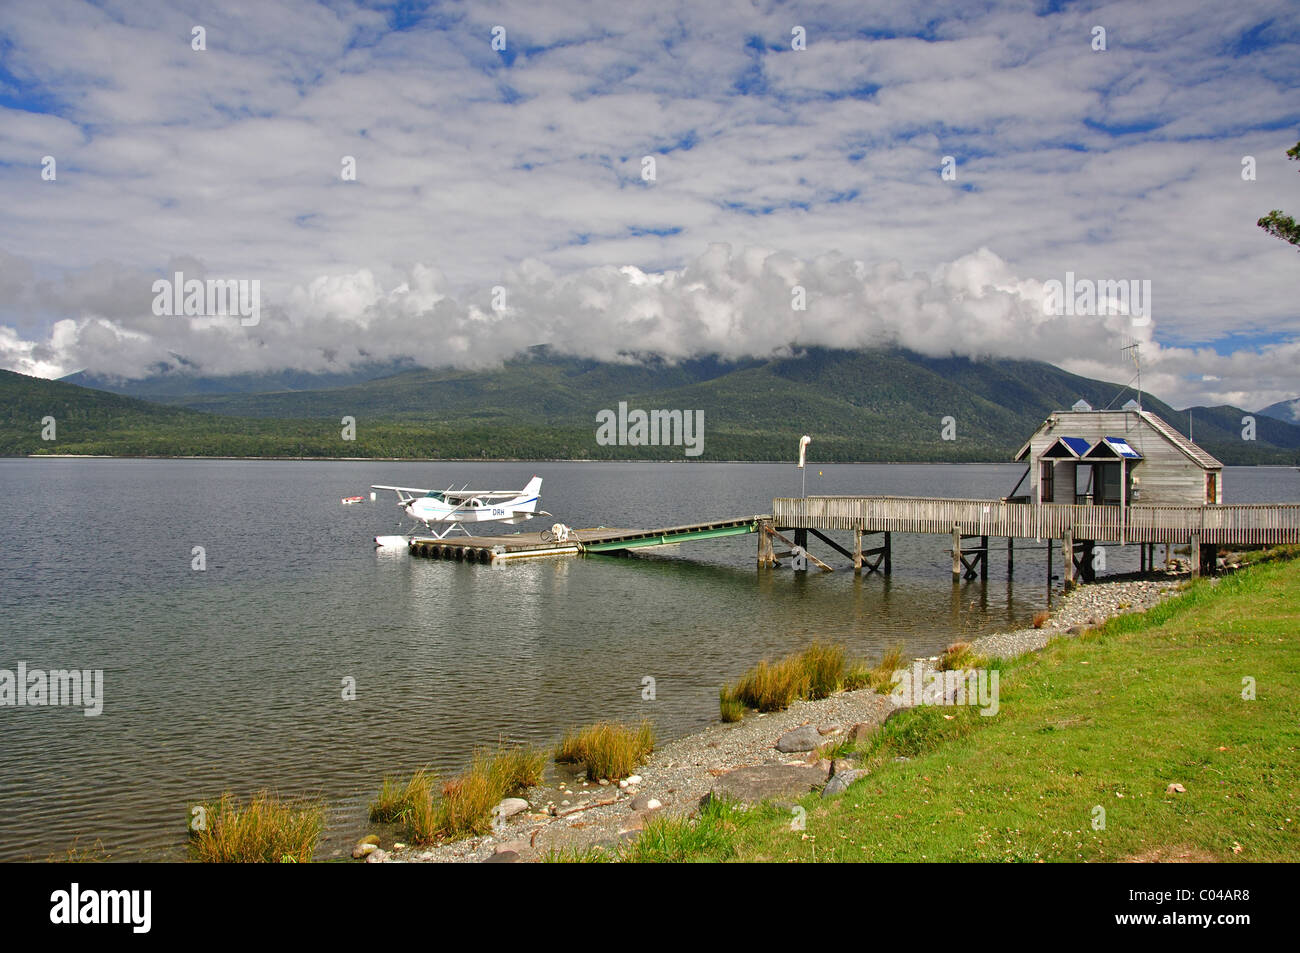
(231, 678)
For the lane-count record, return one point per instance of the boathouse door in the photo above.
(1105, 484)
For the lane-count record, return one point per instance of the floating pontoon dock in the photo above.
(486, 549)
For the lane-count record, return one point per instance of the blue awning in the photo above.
(1118, 447)
(1063, 447)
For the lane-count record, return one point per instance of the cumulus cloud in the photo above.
(734, 302)
(477, 168)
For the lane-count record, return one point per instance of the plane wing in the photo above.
(480, 494)
(399, 489)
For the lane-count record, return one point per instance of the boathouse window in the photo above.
(1047, 480)
(1211, 488)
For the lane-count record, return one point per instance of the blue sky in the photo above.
(775, 167)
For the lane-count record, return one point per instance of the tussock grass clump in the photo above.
(771, 686)
(467, 799)
(824, 664)
(881, 678)
(820, 670)
(816, 672)
(520, 766)
(464, 808)
(1040, 619)
(267, 830)
(959, 657)
(464, 803)
(398, 803)
(608, 749)
(858, 676)
(731, 709)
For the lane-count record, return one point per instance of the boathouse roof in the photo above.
(1167, 431)
(1069, 446)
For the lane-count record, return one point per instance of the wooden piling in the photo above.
(1050, 547)
(1067, 553)
(956, 552)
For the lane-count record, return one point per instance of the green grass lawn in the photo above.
(1108, 720)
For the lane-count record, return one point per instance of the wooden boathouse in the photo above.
(1117, 458)
(1124, 476)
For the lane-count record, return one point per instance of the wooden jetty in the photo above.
(872, 520)
(1078, 527)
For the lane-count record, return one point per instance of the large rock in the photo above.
(804, 738)
(840, 783)
(646, 803)
(510, 807)
(759, 782)
(861, 732)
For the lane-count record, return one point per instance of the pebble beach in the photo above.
(743, 759)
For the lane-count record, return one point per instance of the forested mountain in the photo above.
(885, 404)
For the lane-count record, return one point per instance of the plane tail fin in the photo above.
(532, 492)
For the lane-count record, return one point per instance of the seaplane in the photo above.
(453, 508)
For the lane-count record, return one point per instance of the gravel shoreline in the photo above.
(682, 771)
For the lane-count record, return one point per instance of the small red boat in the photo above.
(353, 499)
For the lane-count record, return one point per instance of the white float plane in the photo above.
(466, 506)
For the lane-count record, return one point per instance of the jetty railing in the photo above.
(1230, 524)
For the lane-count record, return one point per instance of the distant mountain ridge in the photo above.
(882, 404)
(179, 382)
(1288, 410)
